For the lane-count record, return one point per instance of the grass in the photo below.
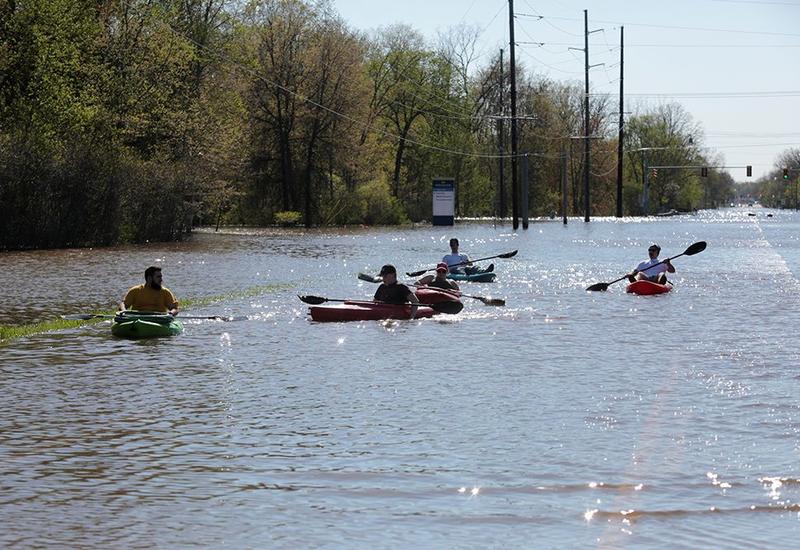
(12, 332)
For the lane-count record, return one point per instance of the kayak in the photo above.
(355, 310)
(646, 288)
(480, 277)
(129, 324)
(433, 295)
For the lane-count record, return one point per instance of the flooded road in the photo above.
(591, 419)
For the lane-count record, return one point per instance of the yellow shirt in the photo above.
(145, 298)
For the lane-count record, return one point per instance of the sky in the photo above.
(734, 65)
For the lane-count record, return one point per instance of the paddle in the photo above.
(504, 256)
(87, 316)
(691, 251)
(488, 300)
(441, 307)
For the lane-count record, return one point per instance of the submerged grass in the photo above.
(12, 332)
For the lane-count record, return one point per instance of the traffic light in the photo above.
(704, 171)
(749, 171)
(786, 173)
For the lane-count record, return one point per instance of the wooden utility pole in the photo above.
(621, 137)
(514, 183)
(501, 143)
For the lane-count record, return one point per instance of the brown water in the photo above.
(565, 418)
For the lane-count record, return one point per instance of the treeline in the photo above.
(773, 189)
(134, 120)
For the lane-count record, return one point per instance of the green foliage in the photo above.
(375, 205)
(288, 218)
(131, 121)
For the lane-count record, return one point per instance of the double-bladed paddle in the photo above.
(691, 251)
(488, 300)
(442, 307)
(87, 316)
(504, 256)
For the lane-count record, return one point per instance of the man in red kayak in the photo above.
(649, 271)
(392, 292)
(151, 296)
(439, 280)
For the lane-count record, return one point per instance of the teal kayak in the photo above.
(130, 324)
(481, 277)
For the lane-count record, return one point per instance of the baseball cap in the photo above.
(441, 266)
(388, 268)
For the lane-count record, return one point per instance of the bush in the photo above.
(287, 218)
(377, 206)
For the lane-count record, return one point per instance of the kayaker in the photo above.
(150, 296)
(439, 280)
(648, 271)
(460, 263)
(393, 292)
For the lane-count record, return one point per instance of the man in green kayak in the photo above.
(649, 271)
(392, 292)
(460, 263)
(439, 280)
(150, 296)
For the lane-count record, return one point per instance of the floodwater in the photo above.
(563, 419)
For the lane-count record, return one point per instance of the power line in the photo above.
(712, 95)
(674, 27)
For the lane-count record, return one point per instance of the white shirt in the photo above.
(649, 269)
(453, 259)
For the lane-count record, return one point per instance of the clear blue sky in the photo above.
(688, 51)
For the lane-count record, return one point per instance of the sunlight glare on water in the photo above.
(565, 417)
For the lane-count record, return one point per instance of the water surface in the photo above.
(565, 418)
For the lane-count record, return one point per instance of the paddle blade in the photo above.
(489, 301)
(370, 278)
(508, 254)
(695, 248)
(598, 286)
(416, 273)
(449, 307)
(315, 300)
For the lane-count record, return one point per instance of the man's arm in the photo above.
(414, 301)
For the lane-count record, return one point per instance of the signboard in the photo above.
(444, 201)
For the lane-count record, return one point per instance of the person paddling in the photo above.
(649, 271)
(392, 292)
(460, 263)
(439, 280)
(150, 296)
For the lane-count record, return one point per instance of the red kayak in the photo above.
(355, 310)
(646, 288)
(432, 295)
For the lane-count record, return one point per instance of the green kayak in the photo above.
(132, 324)
(480, 277)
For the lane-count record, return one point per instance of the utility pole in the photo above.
(586, 162)
(501, 139)
(621, 137)
(514, 184)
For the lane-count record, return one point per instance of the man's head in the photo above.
(153, 277)
(654, 250)
(389, 274)
(441, 269)
(454, 244)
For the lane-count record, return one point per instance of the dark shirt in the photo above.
(392, 294)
